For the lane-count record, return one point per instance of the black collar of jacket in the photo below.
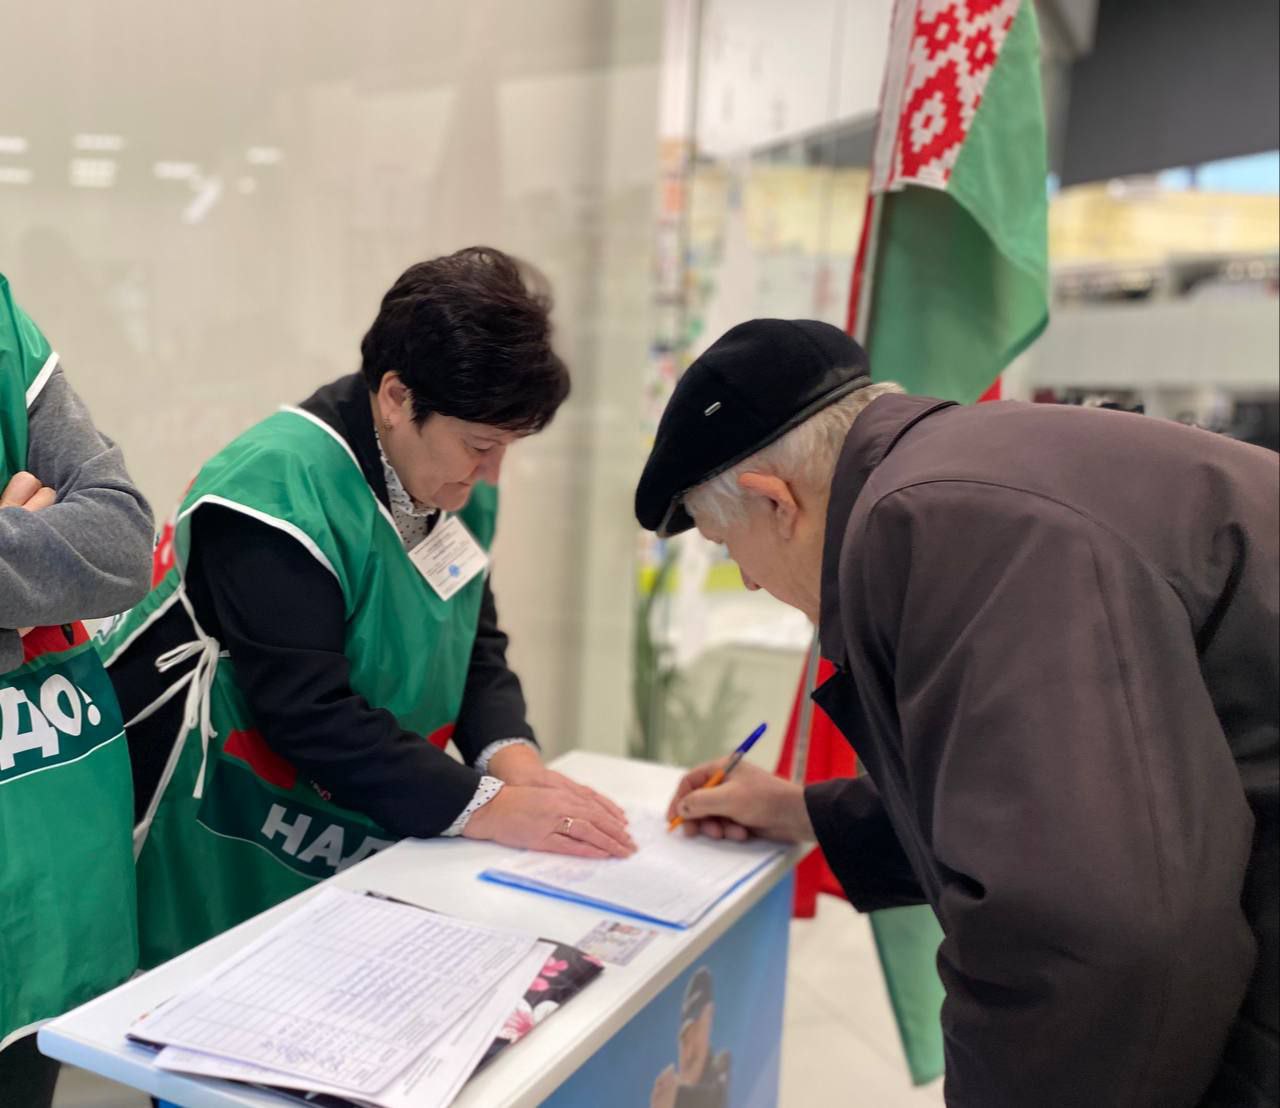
(874, 433)
(344, 405)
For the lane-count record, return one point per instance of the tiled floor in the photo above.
(77, 1089)
(839, 1048)
(840, 1045)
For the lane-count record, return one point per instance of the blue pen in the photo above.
(720, 774)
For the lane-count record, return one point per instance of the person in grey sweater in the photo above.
(85, 552)
(75, 543)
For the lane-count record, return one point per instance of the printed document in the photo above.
(432, 1081)
(346, 992)
(671, 879)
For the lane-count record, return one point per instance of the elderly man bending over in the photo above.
(1055, 634)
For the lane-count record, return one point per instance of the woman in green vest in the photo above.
(322, 624)
(75, 538)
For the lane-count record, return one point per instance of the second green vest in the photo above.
(233, 828)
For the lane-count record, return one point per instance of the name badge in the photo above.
(449, 557)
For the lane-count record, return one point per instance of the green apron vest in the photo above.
(233, 828)
(67, 910)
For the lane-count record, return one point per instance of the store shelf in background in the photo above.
(741, 618)
(1126, 221)
(1227, 343)
(1202, 274)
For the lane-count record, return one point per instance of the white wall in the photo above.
(407, 128)
(768, 72)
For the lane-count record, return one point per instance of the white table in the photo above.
(442, 874)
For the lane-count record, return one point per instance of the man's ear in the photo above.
(783, 505)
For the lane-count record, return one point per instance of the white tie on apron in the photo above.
(199, 682)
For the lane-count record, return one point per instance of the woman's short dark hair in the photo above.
(470, 335)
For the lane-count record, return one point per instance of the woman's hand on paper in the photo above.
(522, 765)
(552, 818)
(751, 801)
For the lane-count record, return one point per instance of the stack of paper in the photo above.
(353, 996)
(671, 879)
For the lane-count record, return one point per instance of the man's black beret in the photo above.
(750, 387)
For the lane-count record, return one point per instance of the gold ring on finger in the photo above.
(566, 825)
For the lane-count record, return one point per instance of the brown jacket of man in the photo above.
(1057, 635)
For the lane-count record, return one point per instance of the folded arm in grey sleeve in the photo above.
(89, 554)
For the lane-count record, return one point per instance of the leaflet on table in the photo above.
(616, 942)
(347, 992)
(672, 879)
(568, 971)
(432, 1081)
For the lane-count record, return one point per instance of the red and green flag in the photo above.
(952, 276)
(950, 285)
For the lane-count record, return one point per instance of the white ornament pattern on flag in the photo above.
(953, 50)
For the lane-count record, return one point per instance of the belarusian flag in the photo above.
(954, 250)
(951, 284)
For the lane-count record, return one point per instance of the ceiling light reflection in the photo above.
(98, 142)
(203, 201)
(92, 173)
(175, 171)
(264, 155)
